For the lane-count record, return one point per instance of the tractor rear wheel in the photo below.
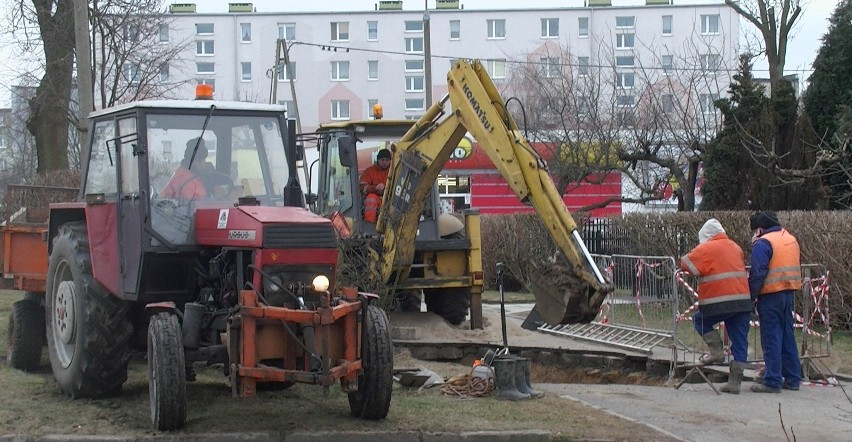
(452, 304)
(25, 335)
(88, 330)
(375, 385)
(166, 372)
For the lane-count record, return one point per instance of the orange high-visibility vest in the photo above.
(785, 269)
(720, 268)
(372, 202)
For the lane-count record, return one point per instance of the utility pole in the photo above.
(427, 54)
(84, 73)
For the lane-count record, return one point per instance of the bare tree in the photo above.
(609, 112)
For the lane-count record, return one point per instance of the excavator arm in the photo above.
(568, 288)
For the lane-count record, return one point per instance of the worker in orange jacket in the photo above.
(187, 182)
(723, 296)
(373, 182)
(776, 274)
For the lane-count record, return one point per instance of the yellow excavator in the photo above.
(402, 253)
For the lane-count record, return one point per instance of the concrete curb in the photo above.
(307, 436)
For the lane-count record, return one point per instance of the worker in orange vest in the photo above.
(188, 182)
(776, 274)
(723, 296)
(373, 182)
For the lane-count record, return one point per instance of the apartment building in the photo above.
(343, 62)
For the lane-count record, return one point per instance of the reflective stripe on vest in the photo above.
(785, 271)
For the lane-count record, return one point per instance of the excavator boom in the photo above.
(569, 288)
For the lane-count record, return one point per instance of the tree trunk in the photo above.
(48, 120)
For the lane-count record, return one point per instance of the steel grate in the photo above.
(631, 338)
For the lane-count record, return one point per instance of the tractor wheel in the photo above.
(375, 385)
(166, 372)
(88, 330)
(25, 336)
(452, 304)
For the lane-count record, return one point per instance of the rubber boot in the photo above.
(735, 378)
(504, 372)
(716, 353)
(761, 388)
(522, 378)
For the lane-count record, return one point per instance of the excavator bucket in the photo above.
(561, 295)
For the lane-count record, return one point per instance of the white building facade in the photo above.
(341, 63)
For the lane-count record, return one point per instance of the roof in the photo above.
(190, 104)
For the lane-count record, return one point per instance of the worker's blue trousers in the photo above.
(778, 341)
(736, 326)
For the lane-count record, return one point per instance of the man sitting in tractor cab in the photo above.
(196, 178)
(373, 182)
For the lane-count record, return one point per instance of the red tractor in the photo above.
(191, 238)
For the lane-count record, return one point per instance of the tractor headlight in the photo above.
(320, 283)
(272, 284)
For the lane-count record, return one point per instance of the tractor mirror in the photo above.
(346, 150)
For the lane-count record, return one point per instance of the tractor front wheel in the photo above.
(375, 385)
(25, 335)
(166, 372)
(88, 330)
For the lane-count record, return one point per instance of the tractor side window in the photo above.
(129, 162)
(101, 174)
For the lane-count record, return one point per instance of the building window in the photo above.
(496, 68)
(496, 28)
(204, 28)
(413, 65)
(707, 102)
(371, 104)
(286, 72)
(414, 104)
(550, 67)
(624, 100)
(626, 119)
(414, 83)
(413, 26)
(625, 61)
(205, 68)
(549, 27)
(204, 47)
(668, 104)
(625, 41)
(131, 73)
(414, 45)
(668, 64)
(583, 66)
(339, 109)
(625, 80)
(667, 25)
(372, 31)
(339, 71)
(164, 72)
(583, 26)
(625, 22)
(340, 31)
(710, 24)
(245, 32)
(164, 33)
(455, 29)
(372, 69)
(711, 62)
(287, 31)
(245, 71)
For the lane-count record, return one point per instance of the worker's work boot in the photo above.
(504, 372)
(761, 388)
(716, 354)
(522, 377)
(735, 378)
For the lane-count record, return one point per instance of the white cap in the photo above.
(710, 229)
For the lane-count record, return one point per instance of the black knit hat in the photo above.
(384, 153)
(752, 221)
(767, 219)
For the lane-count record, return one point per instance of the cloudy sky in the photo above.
(802, 49)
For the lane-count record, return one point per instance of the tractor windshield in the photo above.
(234, 156)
